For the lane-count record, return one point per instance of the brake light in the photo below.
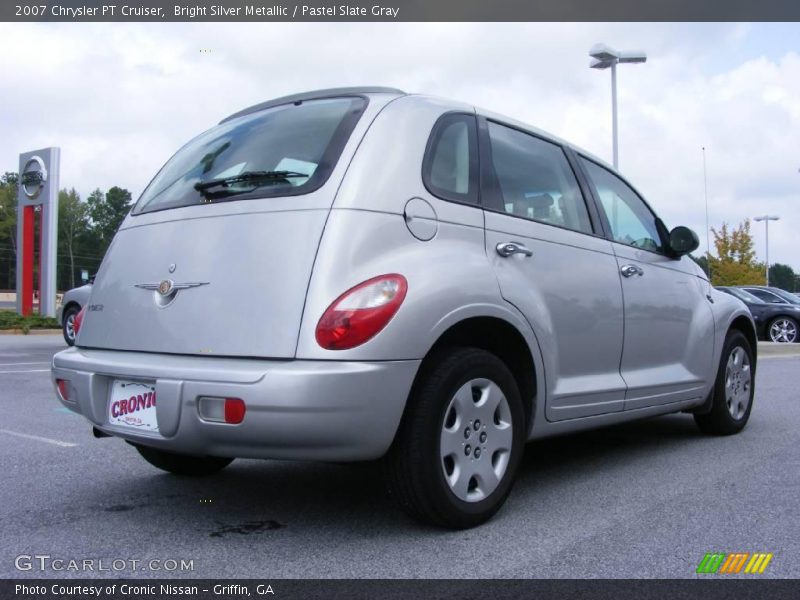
(361, 312)
(76, 323)
(234, 410)
(221, 410)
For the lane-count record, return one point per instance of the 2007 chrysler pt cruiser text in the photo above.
(360, 273)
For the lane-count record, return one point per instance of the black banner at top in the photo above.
(399, 10)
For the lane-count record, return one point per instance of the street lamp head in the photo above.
(632, 56)
(604, 56)
(603, 52)
(767, 218)
(597, 63)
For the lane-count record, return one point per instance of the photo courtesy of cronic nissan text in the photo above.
(413, 299)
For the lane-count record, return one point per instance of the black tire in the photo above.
(66, 319)
(720, 421)
(414, 468)
(183, 464)
(793, 333)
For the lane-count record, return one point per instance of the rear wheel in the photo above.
(733, 389)
(183, 464)
(68, 324)
(783, 330)
(455, 456)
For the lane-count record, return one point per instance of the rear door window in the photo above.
(535, 179)
(281, 151)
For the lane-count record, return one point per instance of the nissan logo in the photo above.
(33, 178)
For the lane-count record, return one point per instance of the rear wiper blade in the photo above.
(201, 186)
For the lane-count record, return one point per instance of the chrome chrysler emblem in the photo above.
(166, 290)
(167, 286)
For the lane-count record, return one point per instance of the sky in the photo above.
(120, 98)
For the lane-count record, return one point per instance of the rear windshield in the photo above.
(282, 151)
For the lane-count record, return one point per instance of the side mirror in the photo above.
(683, 240)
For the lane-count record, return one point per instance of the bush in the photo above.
(11, 320)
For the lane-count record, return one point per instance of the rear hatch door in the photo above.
(224, 269)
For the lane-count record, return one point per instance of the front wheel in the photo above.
(733, 389)
(783, 330)
(183, 464)
(453, 461)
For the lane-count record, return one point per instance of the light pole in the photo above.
(767, 219)
(708, 229)
(604, 57)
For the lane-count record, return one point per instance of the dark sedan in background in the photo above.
(774, 322)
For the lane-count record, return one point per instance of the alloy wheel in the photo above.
(783, 331)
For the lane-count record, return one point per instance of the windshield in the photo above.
(743, 295)
(302, 139)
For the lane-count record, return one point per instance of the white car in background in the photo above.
(71, 304)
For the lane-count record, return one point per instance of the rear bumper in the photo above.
(316, 410)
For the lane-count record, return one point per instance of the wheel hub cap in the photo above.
(476, 439)
(738, 379)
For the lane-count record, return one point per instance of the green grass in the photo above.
(11, 320)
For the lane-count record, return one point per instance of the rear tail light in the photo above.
(76, 324)
(63, 389)
(221, 410)
(361, 312)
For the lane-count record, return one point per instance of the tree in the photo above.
(782, 276)
(8, 230)
(735, 263)
(107, 212)
(73, 223)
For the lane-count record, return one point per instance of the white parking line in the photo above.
(39, 439)
(28, 371)
(23, 363)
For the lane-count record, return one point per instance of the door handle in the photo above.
(631, 270)
(506, 249)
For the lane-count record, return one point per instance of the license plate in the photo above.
(133, 405)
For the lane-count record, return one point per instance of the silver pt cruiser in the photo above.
(360, 273)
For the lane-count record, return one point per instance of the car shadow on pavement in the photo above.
(580, 451)
(253, 498)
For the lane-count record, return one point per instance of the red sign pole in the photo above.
(38, 264)
(28, 227)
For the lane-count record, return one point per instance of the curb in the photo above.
(30, 332)
(775, 349)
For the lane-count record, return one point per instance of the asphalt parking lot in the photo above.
(647, 499)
